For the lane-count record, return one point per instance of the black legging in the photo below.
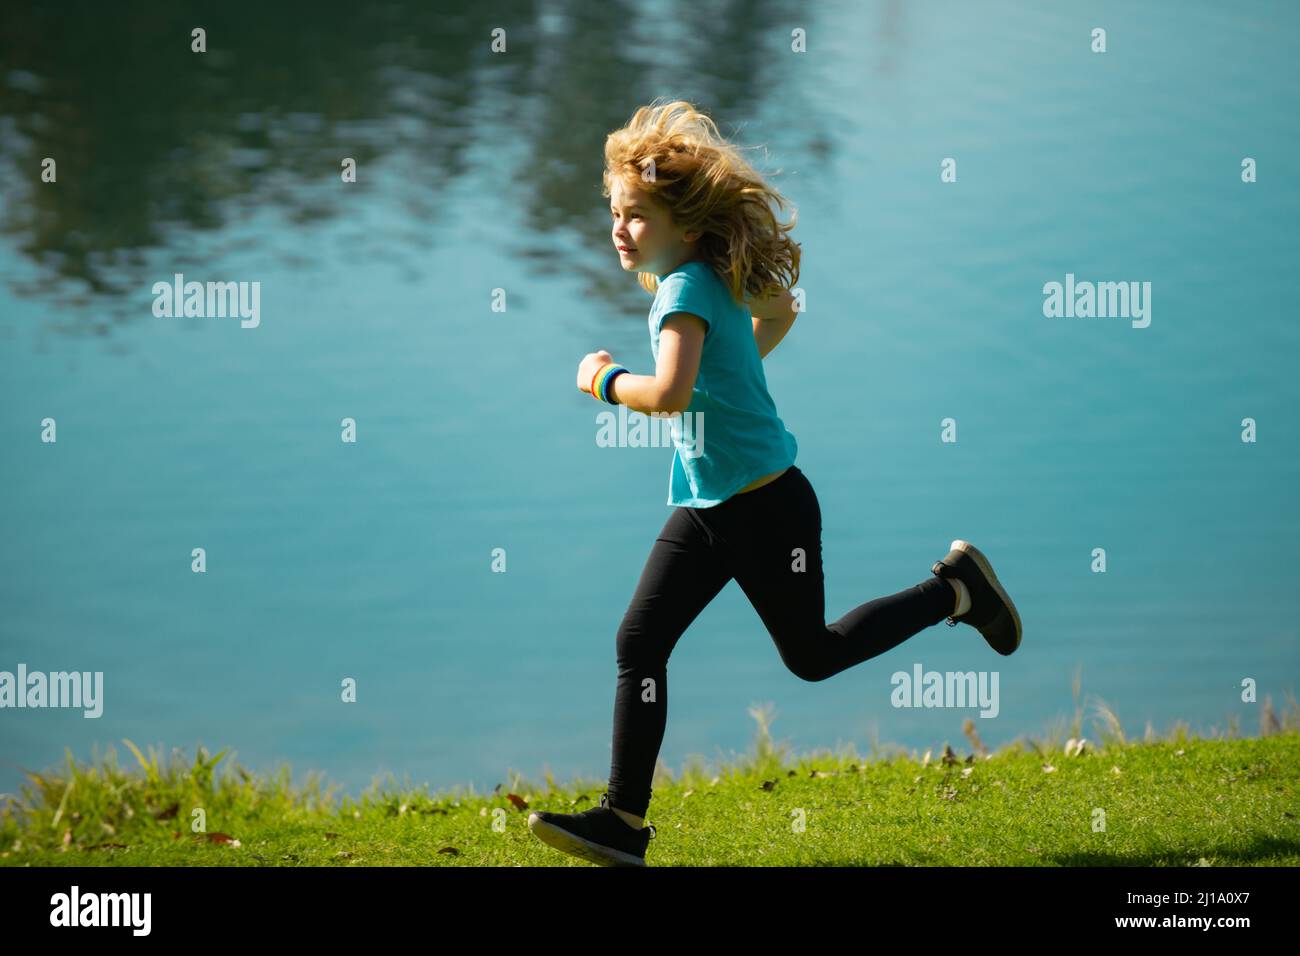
(752, 537)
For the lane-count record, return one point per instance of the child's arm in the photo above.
(681, 344)
(773, 317)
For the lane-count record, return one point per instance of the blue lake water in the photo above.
(481, 171)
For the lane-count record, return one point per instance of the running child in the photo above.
(695, 222)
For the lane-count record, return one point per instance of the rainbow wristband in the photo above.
(600, 371)
(612, 375)
(608, 374)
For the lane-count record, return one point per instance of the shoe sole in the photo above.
(986, 568)
(562, 839)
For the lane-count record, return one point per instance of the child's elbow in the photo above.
(673, 402)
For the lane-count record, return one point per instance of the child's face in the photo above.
(644, 233)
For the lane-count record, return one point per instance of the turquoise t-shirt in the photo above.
(730, 435)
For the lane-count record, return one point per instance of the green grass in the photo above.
(1222, 800)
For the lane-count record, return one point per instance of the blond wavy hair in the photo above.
(706, 184)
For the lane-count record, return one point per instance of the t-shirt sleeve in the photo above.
(681, 292)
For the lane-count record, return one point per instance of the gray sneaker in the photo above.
(991, 610)
(597, 834)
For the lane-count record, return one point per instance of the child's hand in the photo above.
(589, 366)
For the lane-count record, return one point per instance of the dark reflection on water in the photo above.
(158, 146)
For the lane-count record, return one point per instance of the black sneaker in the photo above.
(598, 834)
(991, 611)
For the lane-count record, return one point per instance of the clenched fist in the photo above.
(591, 363)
